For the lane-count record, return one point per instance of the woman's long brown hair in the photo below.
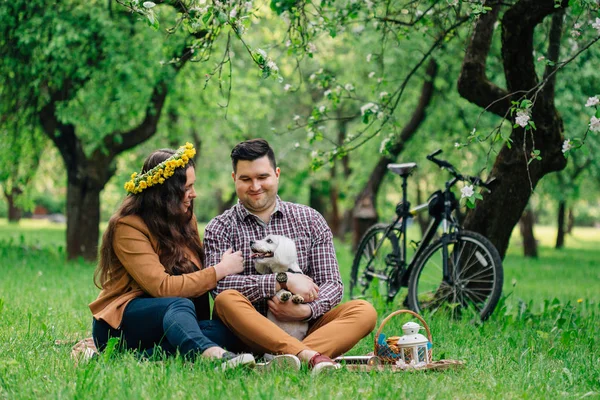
(160, 208)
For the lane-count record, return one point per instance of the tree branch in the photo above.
(473, 83)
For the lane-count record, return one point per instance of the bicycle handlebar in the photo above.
(443, 164)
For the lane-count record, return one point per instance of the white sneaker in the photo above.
(319, 363)
(231, 360)
(279, 363)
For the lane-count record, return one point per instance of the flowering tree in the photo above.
(532, 147)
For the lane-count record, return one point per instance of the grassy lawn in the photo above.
(543, 342)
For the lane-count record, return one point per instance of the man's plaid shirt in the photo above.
(236, 227)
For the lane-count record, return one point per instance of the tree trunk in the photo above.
(570, 221)
(421, 220)
(335, 220)
(526, 227)
(15, 213)
(83, 218)
(560, 235)
(517, 175)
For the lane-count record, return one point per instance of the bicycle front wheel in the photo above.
(475, 268)
(377, 258)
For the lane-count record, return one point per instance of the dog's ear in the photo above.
(286, 252)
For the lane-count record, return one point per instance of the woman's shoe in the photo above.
(231, 360)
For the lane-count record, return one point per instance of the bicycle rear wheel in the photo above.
(377, 257)
(476, 270)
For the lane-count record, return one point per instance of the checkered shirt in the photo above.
(236, 227)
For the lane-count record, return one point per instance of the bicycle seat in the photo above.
(402, 169)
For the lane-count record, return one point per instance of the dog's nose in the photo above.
(251, 242)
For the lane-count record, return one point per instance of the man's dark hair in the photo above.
(250, 150)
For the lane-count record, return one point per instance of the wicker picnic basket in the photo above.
(389, 352)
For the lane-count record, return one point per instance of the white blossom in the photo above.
(383, 95)
(272, 66)
(371, 74)
(149, 4)
(369, 107)
(233, 13)
(541, 58)
(296, 145)
(327, 93)
(575, 33)
(322, 109)
(380, 115)
(262, 53)
(384, 144)
(312, 77)
(349, 87)
(522, 118)
(596, 25)
(287, 87)
(592, 101)
(467, 191)
(369, 57)
(314, 154)
(248, 6)
(566, 146)
(457, 145)
(595, 124)
(358, 29)
(288, 43)
(296, 117)
(311, 48)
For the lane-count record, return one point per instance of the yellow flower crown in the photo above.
(162, 171)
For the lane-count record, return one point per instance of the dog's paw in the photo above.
(297, 299)
(285, 296)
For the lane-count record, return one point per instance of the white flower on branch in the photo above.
(287, 87)
(467, 191)
(383, 95)
(233, 13)
(369, 57)
(272, 66)
(311, 48)
(592, 101)
(522, 118)
(596, 25)
(327, 92)
(149, 4)
(322, 109)
(349, 87)
(371, 74)
(595, 124)
(372, 107)
(566, 146)
(248, 6)
(296, 117)
(541, 58)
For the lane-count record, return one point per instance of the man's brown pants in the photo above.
(334, 333)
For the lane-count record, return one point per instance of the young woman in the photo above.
(154, 284)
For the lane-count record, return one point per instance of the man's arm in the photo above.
(217, 239)
(324, 268)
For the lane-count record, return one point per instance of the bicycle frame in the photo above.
(403, 211)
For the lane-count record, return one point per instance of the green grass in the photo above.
(542, 343)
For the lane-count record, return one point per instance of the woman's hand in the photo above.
(231, 263)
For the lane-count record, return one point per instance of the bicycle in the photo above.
(460, 270)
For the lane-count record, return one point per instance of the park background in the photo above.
(339, 89)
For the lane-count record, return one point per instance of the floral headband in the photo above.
(162, 171)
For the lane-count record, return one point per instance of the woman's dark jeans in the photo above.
(168, 323)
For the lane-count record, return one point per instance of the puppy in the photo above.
(275, 254)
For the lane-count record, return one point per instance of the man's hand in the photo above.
(288, 311)
(304, 286)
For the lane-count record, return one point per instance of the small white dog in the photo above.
(274, 254)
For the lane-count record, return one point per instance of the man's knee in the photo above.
(227, 298)
(368, 315)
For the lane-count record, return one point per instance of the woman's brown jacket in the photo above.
(139, 272)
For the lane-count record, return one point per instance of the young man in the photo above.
(243, 300)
